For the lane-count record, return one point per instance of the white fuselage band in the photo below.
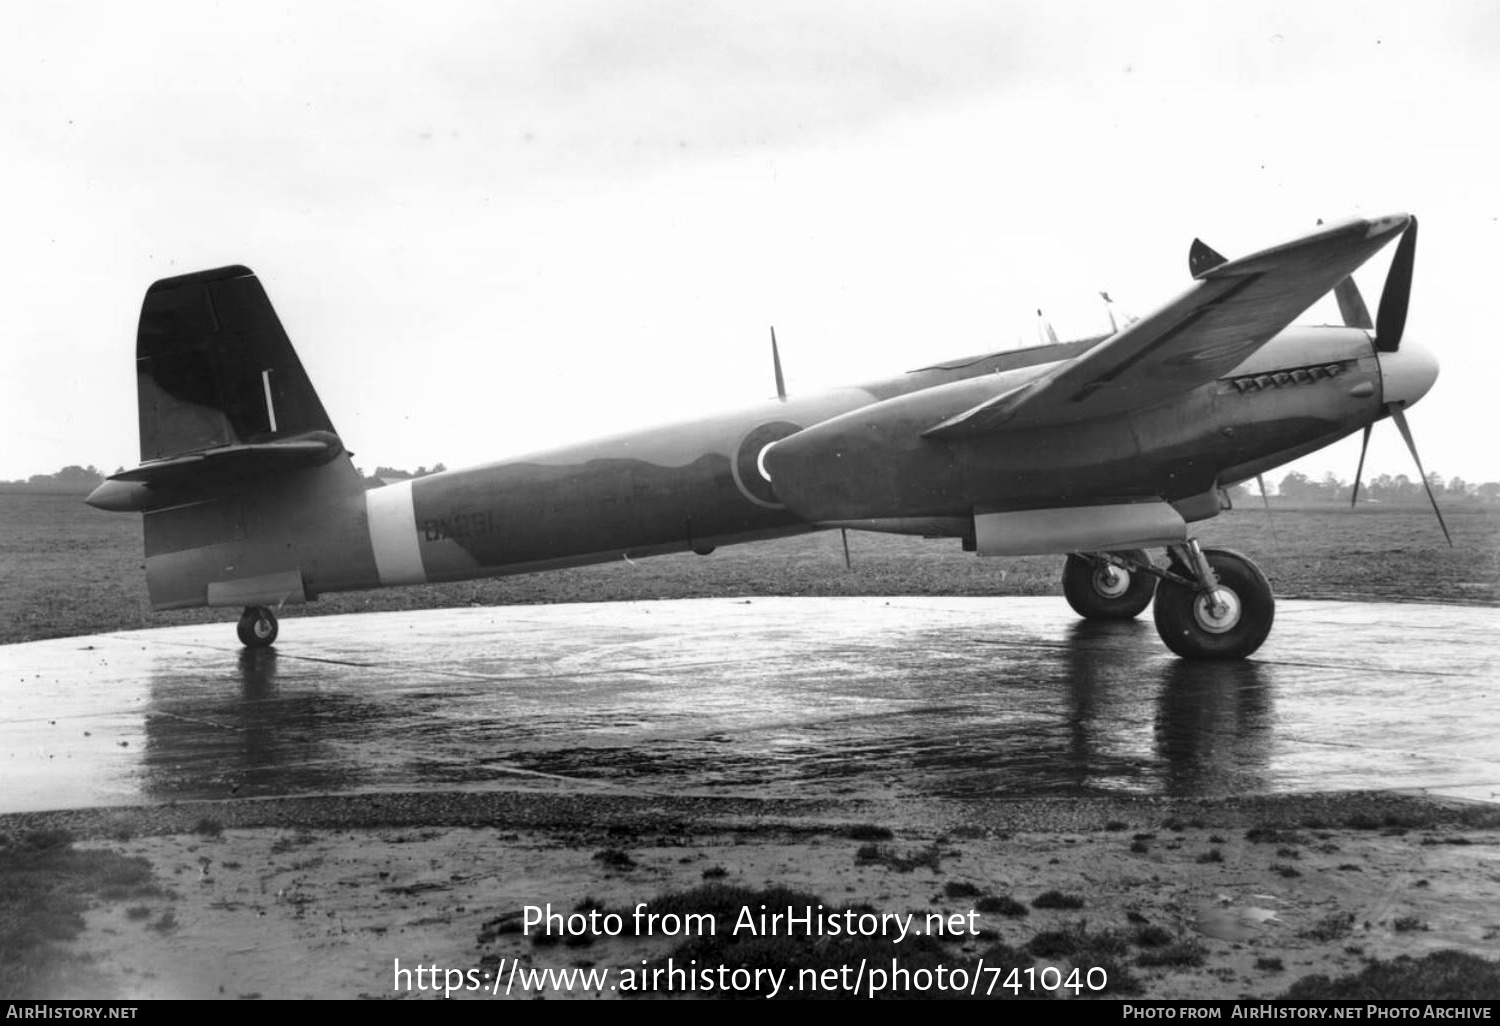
(393, 534)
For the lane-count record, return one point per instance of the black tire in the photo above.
(1188, 625)
(258, 627)
(1101, 591)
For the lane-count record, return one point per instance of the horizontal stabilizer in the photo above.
(132, 490)
(309, 451)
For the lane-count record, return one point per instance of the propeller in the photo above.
(1390, 321)
(1265, 499)
(776, 360)
(1400, 418)
(1044, 328)
(1203, 258)
(1389, 325)
(1352, 305)
(1117, 319)
(1109, 308)
(1359, 470)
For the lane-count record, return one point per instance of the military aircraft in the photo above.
(1096, 449)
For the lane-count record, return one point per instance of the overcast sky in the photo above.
(490, 228)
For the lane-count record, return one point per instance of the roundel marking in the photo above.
(745, 467)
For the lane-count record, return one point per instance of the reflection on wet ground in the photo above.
(866, 698)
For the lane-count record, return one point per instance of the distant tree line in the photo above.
(68, 479)
(1297, 487)
(385, 475)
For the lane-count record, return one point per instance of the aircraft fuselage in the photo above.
(858, 455)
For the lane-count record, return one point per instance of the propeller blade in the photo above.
(1109, 308)
(1352, 305)
(776, 359)
(1361, 468)
(1202, 258)
(1400, 419)
(1044, 328)
(1390, 321)
(1266, 499)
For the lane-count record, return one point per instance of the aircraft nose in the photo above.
(1407, 374)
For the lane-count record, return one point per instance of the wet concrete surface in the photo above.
(902, 698)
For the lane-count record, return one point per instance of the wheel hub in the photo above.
(1110, 581)
(1217, 611)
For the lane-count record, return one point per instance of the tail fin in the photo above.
(215, 368)
(248, 495)
(221, 394)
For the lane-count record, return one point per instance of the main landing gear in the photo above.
(1108, 585)
(1209, 604)
(257, 628)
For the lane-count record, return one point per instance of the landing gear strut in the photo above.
(1108, 586)
(257, 627)
(1224, 613)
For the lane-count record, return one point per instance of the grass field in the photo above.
(67, 569)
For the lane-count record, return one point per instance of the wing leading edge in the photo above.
(1231, 311)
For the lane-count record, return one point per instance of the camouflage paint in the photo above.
(646, 493)
(250, 498)
(876, 462)
(677, 488)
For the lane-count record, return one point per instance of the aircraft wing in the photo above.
(1229, 312)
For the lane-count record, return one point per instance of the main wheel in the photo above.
(1102, 591)
(1230, 623)
(257, 627)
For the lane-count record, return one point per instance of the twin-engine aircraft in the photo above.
(1096, 449)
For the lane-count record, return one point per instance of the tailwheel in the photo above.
(257, 627)
(1099, 589)
(1225, 614)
